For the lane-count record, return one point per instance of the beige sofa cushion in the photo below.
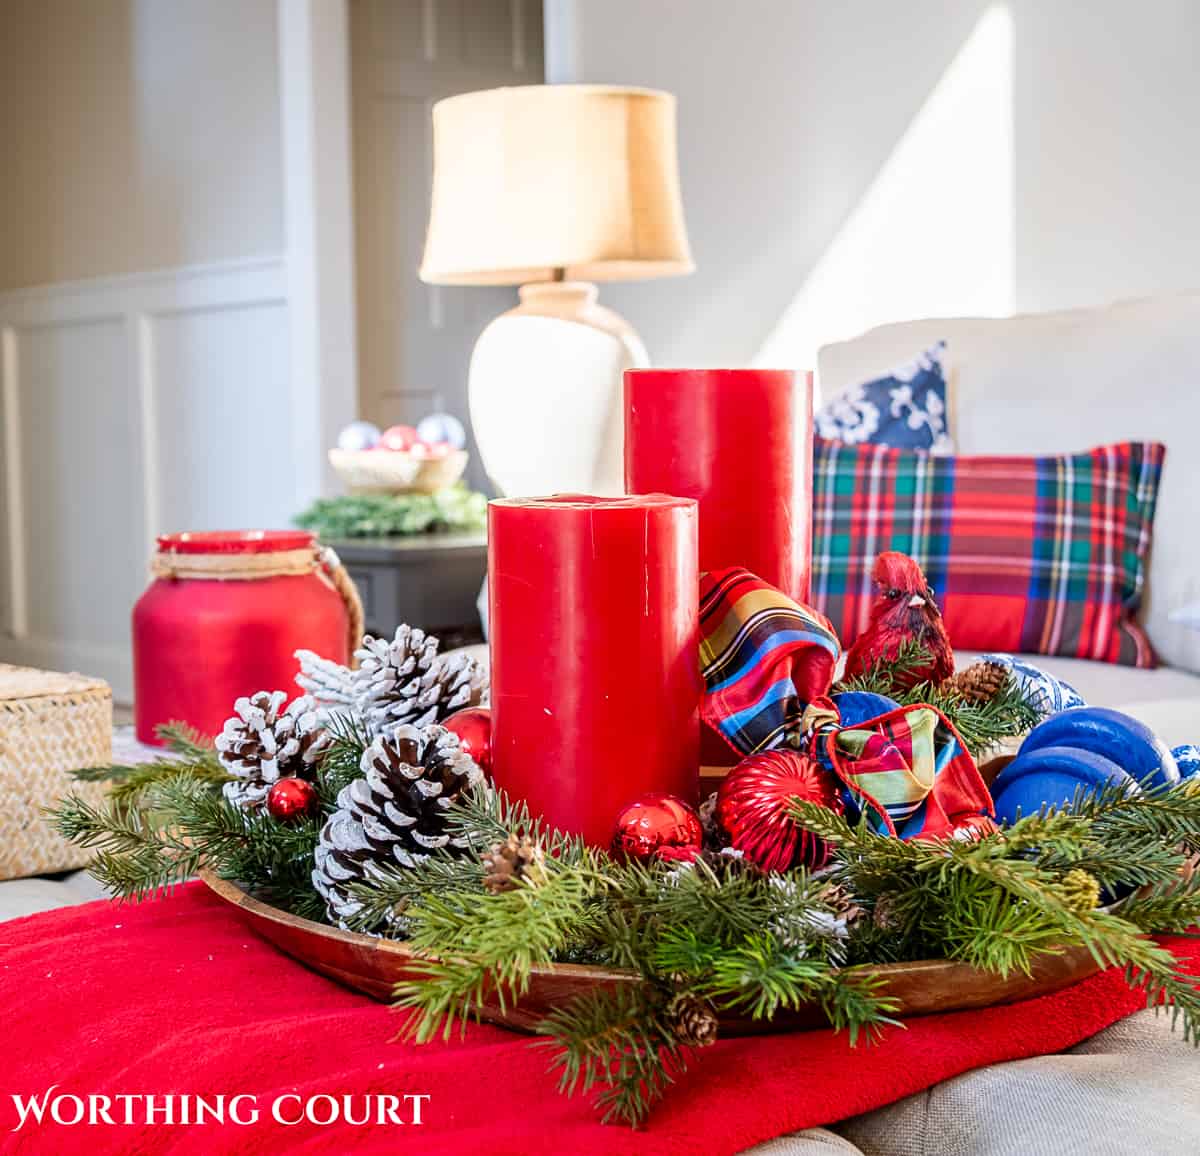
(1061, 382)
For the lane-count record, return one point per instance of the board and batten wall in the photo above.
(144, 308)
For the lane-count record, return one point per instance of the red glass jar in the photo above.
(223, 617)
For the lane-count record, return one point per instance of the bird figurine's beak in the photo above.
(916, 600)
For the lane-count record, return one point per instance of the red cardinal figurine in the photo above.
(905, 608)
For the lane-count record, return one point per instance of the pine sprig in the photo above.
(494, 941)
(391, 515)
(997, 905)
(342, 763)
(616, 1039)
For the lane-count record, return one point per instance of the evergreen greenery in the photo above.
(713, 936)
(455, 508)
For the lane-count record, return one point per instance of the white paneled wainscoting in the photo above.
(130, 407)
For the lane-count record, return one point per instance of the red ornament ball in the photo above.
(291, 799)
(657, 826)
(398, 437)
(473, 726)
(752, 809)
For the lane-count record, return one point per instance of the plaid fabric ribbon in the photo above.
(766, 659)
(910, 773)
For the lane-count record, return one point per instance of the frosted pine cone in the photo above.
(265, 742)
(406, 682)
(395, 814)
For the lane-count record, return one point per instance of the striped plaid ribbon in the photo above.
(766, 658)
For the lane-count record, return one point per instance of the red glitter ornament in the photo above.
(473, 726)
(291, 799)
(752, 808)
(657, 826)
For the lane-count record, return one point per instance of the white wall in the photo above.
(146, 380)
(810, 132)
(138, 134)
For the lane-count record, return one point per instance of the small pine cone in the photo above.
(1081, 890)
(395, 814)
(884, 914)
(978, 683)
(845, 906)
(514, 861)
(692, 1021)
(265, 742)
(715, 838)
(406, 682)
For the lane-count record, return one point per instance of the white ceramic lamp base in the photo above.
(545, 388)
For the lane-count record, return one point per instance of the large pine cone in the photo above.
(330, 683)
(406, 682)
(395, 814)
(263, 743)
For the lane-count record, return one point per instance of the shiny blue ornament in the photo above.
(1052, 777)
(359, 435)
(1132, 745)
(442, 427)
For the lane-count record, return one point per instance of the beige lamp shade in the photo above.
(555, 181)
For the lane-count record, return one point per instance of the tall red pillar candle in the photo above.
(595, 663)
(740, 442)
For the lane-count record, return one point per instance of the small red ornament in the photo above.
(290, 799)
(752, 808)
(658, 826)
(473, 726)
(399, 438)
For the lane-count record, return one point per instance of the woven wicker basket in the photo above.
(49, 724)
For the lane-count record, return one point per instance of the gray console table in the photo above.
(428, 580)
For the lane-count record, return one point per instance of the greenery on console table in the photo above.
(454, 509)
(715, 935)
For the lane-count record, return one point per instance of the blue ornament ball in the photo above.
(1047, 694)
(359, 435)
(1187, 759)
(442, 427)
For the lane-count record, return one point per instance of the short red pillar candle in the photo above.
(595, 665)
(740, 442)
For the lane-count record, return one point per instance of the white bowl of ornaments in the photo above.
(403, 459)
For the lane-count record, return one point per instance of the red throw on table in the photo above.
(177, 996)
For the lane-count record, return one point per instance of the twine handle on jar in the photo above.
(344, 585)
(274, 564)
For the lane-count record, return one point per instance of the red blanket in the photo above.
(178, 997)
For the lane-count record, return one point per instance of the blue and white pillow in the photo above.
(906, 409)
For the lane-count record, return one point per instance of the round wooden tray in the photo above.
(374, 966)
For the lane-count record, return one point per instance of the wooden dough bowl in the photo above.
(374, 966)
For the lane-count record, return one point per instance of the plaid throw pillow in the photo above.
(1041, 555)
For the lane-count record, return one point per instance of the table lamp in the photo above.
(552, 188)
